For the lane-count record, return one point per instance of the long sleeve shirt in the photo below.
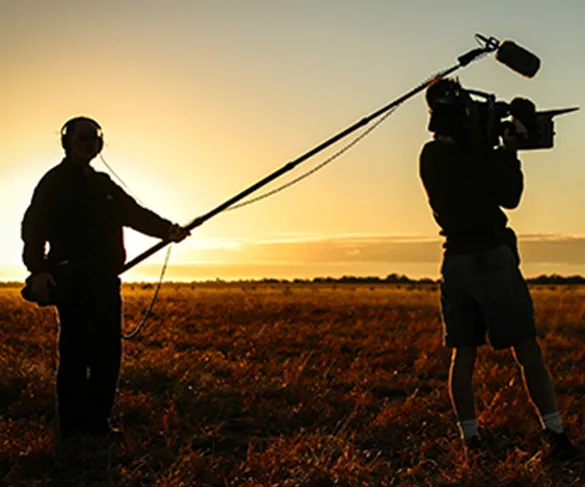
(81, 213)
(466, 192)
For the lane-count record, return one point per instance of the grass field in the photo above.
(288, 385)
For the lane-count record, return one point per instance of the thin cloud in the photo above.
(368, 248)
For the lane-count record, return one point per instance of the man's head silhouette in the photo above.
(453, 112)
(82, 139)
(443, 91)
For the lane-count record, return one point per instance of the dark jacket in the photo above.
(466, 191)
(80, 213)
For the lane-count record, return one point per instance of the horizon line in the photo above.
(389, 278)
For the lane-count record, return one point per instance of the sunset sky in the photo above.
(200, 99)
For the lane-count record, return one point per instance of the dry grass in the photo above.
(287, 385)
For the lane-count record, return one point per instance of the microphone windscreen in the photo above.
(518, 59)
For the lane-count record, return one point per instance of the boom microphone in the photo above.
(518, 58)
(512, 55)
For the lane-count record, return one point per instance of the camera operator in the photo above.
(482, 290)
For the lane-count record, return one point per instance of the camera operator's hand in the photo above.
(513, 135)
(41, 284)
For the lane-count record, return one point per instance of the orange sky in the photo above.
(198, 100)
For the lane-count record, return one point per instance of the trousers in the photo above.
(90, 350)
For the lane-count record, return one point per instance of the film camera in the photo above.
(456, 113)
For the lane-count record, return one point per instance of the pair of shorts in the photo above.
(484, 293)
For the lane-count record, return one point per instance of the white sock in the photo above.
(468, 429)
(552, 421)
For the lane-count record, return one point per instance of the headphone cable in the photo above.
(121, 181)
(146, 313)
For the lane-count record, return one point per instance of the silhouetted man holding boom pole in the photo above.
(81, 213)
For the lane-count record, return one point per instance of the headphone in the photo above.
(69, 128)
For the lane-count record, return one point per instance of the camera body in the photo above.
(455, 112)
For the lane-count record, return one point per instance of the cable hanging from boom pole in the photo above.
(276, 190)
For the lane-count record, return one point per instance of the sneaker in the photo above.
(561, 448)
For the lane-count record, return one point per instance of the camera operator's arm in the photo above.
(507, 177)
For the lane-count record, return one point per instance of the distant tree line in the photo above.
(389, 279)
(543, 279)
(395, 279)
(557, 279)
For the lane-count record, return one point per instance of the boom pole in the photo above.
(464, 60)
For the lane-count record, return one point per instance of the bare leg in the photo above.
(460, 382)
(536, 377)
